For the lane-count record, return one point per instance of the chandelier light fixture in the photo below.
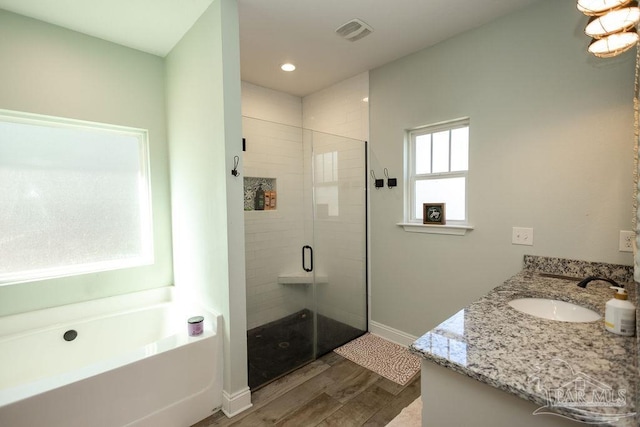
(598, 7)
(612, 25)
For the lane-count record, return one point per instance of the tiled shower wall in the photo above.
(274, 238)
(266, 104)
(341, 109)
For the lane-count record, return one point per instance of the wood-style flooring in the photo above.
(331, 391)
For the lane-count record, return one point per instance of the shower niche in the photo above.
(306, 260)
(252, 188)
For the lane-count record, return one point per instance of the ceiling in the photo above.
(276, 31)
(153, 26)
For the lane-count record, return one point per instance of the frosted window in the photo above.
(438, 169)
(74, 198)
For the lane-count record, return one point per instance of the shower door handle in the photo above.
(304, 264)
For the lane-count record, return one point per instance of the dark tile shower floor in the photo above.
(281, 346)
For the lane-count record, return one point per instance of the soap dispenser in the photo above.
(259, 199)
(620, 314)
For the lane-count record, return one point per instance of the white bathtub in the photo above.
(136, 366)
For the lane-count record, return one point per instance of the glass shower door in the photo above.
(306, 255)
(280, 300)
(338, 180)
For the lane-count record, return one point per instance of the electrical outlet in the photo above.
(626, 241)
(522, 236)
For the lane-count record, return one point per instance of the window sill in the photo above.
(450, 229)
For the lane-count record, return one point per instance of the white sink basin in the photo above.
(554, 310)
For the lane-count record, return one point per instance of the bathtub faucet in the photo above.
(583, 283)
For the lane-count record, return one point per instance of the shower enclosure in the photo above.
(305, 238)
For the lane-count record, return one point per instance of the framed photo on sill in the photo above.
(433, 213)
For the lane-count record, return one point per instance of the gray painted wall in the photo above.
(551, 148)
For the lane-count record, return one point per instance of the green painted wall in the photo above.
(50, 70)
(551, 148)
(205, 130)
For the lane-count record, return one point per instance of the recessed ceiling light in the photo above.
(288, 67)
(365, 99)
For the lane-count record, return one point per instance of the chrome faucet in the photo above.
(583, 282)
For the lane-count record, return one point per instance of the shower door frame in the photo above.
(314, 242)
(302, 295)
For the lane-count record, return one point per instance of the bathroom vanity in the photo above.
(492, 365)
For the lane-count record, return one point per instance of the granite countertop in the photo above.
(545, 361)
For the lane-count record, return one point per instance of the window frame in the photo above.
(413, 177)
(147, 254)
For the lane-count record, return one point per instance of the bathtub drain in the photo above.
(70, 335)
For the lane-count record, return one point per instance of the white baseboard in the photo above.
(236, 403)
(391, 334)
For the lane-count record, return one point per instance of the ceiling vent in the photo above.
(354, 30)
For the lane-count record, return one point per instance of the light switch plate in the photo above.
(522, 236)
